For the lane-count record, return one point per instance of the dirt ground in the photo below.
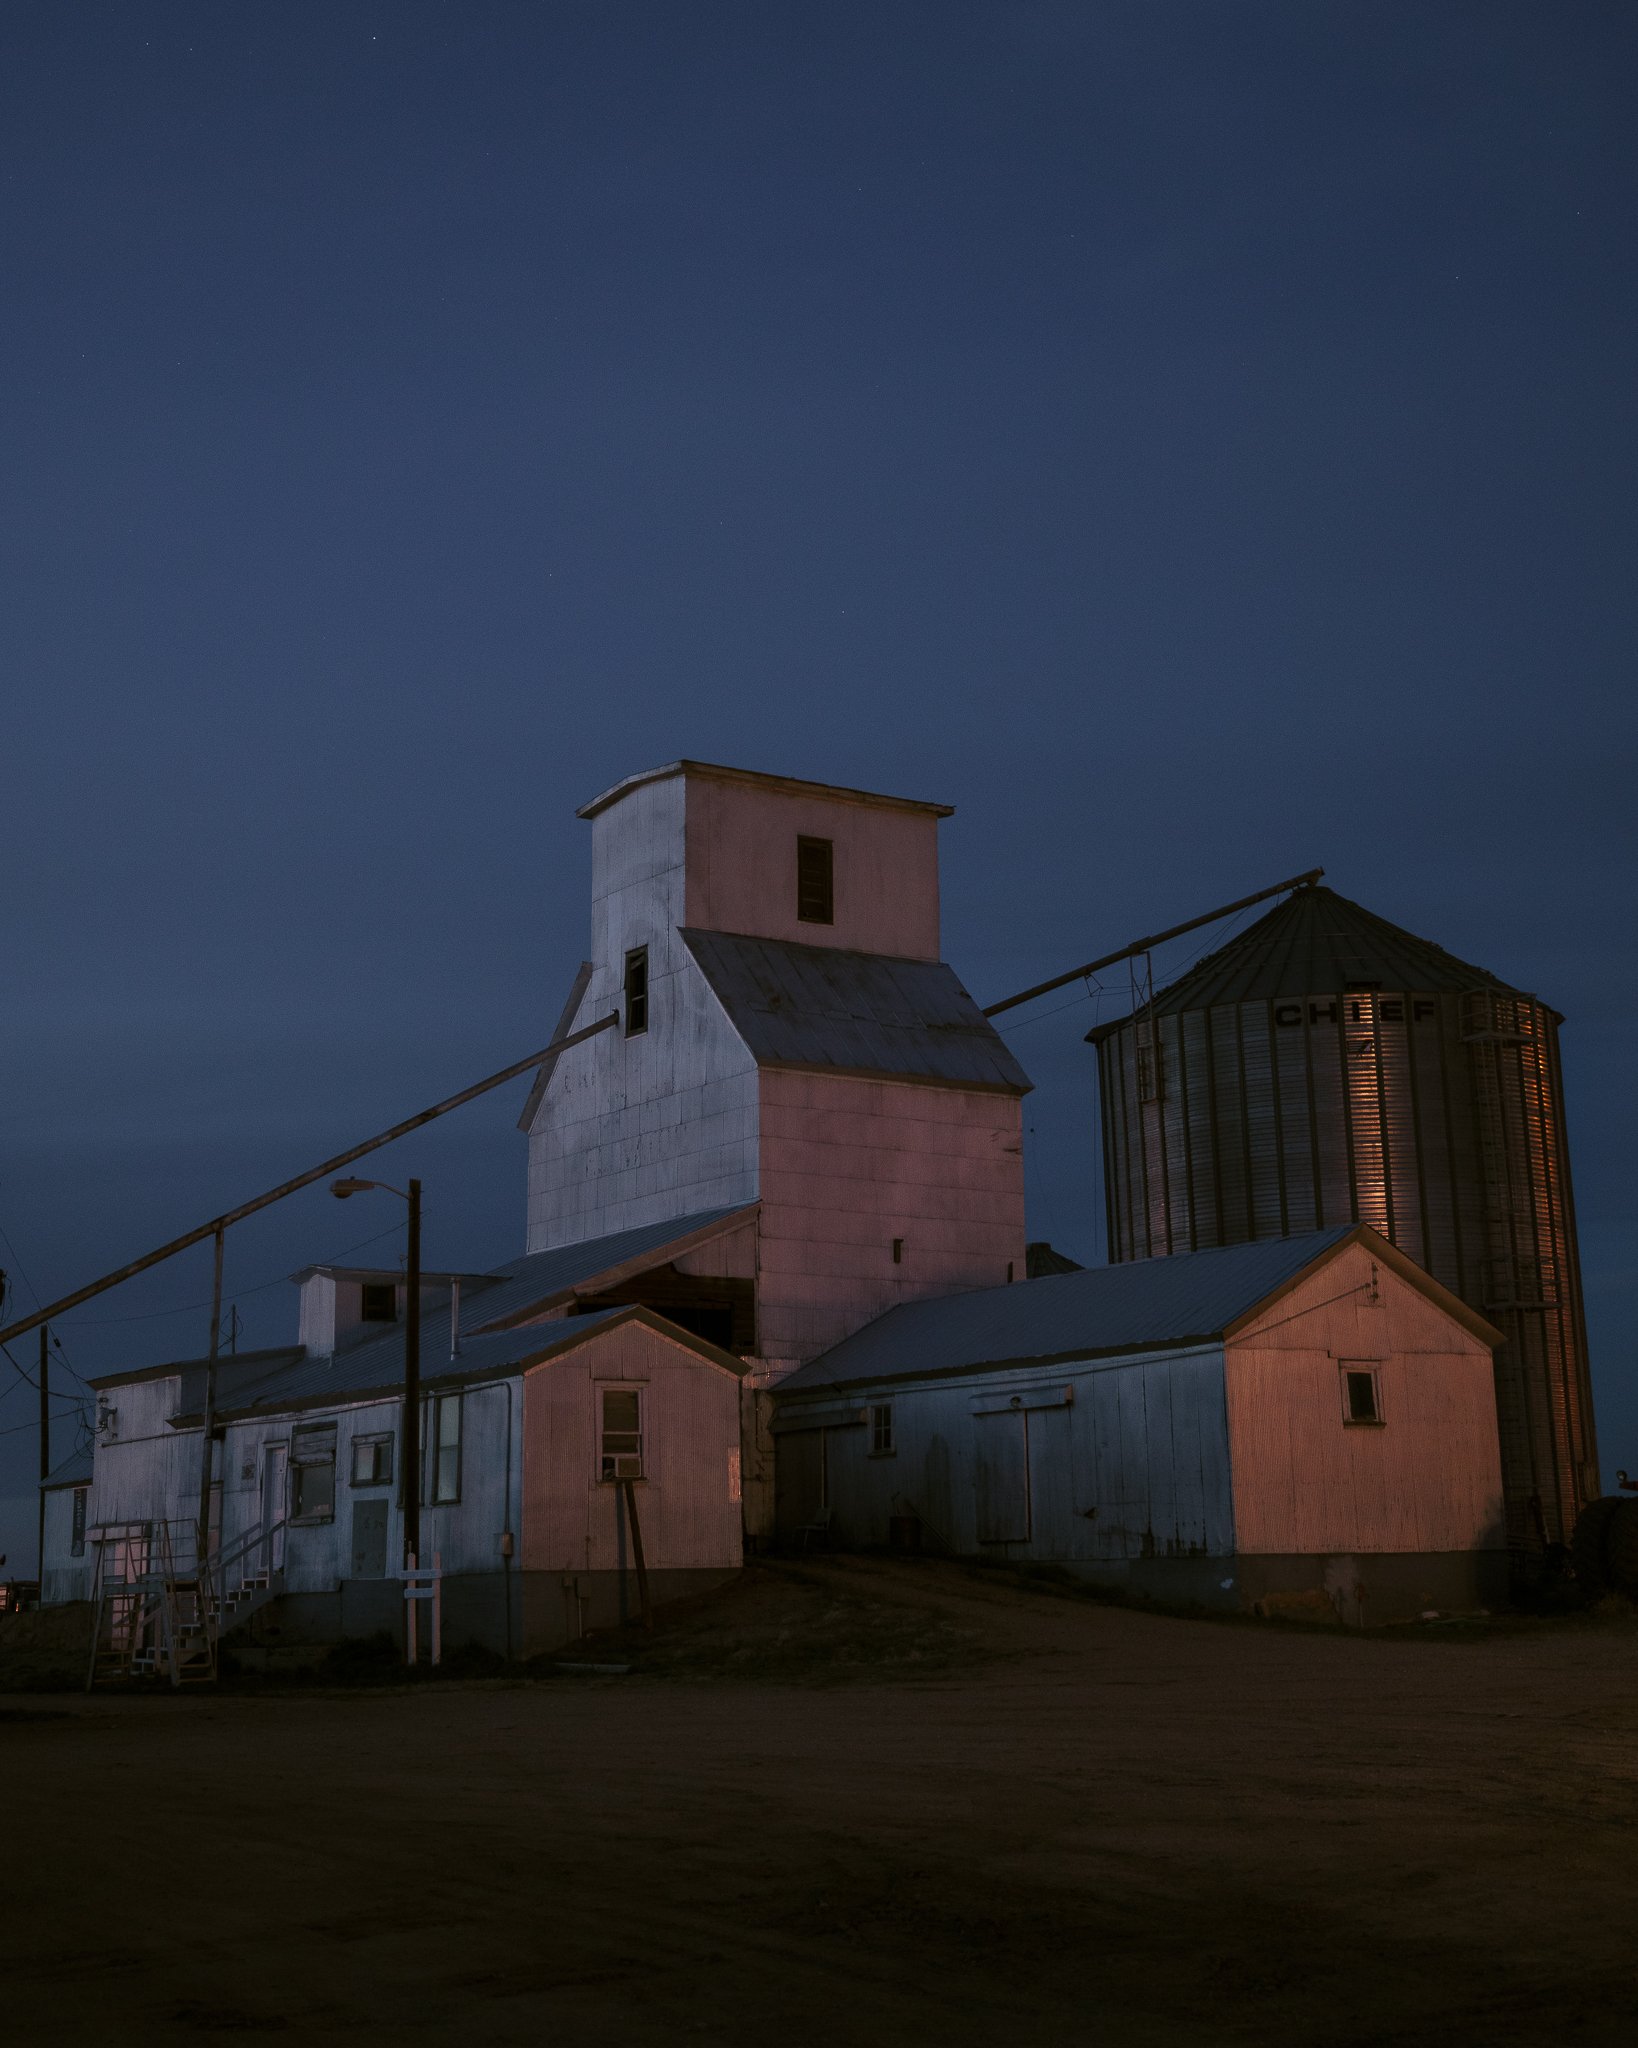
(853, 1800)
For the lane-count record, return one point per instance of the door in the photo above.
(369, 1559)
(799, 1481)
(274, 1459)
(1001, 1476)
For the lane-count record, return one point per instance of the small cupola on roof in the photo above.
(773, 857)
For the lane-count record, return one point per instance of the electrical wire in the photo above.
(238, 1294)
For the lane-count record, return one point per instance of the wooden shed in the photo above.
(1303, 1425)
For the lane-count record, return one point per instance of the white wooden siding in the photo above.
(635, 1130)
(1140, 1442)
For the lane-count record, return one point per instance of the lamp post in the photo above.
(411, 1461)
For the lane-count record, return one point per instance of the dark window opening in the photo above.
(815, 881)
(898, 1251)
(636, 991)
(378, 1301)
(881, 1430)
(313, 1473)
(1359, 1383)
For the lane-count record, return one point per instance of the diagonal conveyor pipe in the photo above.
(1176, 931)
(302, 1180)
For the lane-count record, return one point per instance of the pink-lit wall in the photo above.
(689, 1496)
(741, 861)
(847, 1166)
(1305, 1481)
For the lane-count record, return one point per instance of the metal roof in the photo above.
(787, 785)
(378, 1367)
(856, 1013)
(75, 1470)
(541, 1278)
(532, 1284)
(1190, 1298)
(253, 1362)
(1317, 943)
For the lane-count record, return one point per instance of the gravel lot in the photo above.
(853, 1800)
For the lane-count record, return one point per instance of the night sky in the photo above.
(1195, 440)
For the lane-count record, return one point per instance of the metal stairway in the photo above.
(154, 1620)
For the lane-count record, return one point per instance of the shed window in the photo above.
(881, 1430)
(636, 991)
(621, 1447)
(313, 1473)
(372, 1460)
(378, 1301)
(1361, 1395)
(76, 1540)
(815, 881)
(442, 1429)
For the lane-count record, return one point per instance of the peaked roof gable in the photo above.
(1147, 1304)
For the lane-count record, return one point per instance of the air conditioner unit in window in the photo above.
(625, 1467)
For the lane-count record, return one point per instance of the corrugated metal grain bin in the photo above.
(1326, 1067)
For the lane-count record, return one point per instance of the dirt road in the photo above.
(856, 1802)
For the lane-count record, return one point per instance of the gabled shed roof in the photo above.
(376, 1369)
(498, 1330)
(1147, 1304)
(826, 1009)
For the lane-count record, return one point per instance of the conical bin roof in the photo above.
(1317, 943)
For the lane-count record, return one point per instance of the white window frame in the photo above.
(614, 1466)
(881, 1430)
(372, 1440)
(1369, 1367)
(433, 1410)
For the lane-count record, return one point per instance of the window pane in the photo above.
(380, 1302)
(636, 991)
(315, 1490)
(1361, 1397)
(620, 1409)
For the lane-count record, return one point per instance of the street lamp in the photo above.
(411, 1464)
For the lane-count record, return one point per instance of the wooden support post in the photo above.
(45, 1452)
(630, 1492)
(437, 1607)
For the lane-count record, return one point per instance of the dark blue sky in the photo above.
(1196, 440)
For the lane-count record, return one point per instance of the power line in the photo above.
(238, 1294)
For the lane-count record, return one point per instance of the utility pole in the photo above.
(202, 1540)
(45, 1444)
(412, 1384)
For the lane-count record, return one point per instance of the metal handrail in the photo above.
(230, 1554)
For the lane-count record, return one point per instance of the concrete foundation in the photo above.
(1366, 1591)
(518, 1614)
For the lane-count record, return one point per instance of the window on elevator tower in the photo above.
(636, 991)
(815, 881)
